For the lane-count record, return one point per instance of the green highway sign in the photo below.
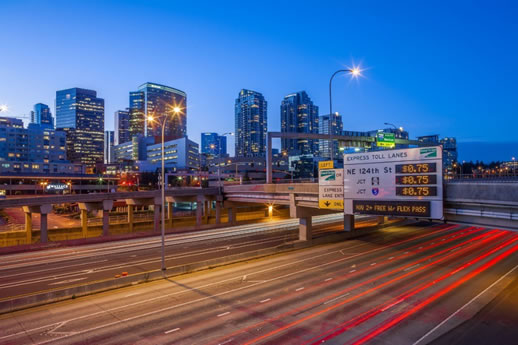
(385, 139)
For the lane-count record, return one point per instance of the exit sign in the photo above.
(385, 139)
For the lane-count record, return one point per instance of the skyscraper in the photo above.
(81, 115)
(108, 147)
(324, 128)
(158, 101)
(122, 127)
(214, 144)
(42, 116)
(299, 115)
(251, 124)
(137, 113)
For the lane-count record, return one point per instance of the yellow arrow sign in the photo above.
(331, 204)
(325, 165)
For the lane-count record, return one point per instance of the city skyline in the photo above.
(431, 81)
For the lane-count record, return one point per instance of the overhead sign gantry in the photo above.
(406, 183)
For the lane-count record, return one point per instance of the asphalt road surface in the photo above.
(399, 285)
(29, 273)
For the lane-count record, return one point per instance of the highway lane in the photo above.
(394, 286)
(56, 268)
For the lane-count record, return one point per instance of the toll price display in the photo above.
(416, 191)
(416, 179)
(417, 168)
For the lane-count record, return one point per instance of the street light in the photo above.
(162, 121)
(355, 72)
(3, 108)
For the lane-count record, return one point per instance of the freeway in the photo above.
(29, 273)
(406, 284)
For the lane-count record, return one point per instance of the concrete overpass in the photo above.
(488, 204)
(104, 202)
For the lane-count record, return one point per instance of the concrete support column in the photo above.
(218, 212)
(206, 213)
(44, 234)
(199, 212)
(170, 210)
(43, 210)
(381, 220)
(107, 207)
(305, 229)
(156, 218)
(348, 222)
(28, 227)
(84, 222)
(232, 213)
(130, 217)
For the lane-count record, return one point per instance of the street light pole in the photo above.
(176, 110)
(163, 196)
(355, 72)
(391, 124)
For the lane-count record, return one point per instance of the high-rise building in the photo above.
(122, 127)
(137, 113)
(42, 116)
(324, 128)
(299, 115)
(449, 151)
(108, 147)
(251, 124)
(33, 149)
(81, 115)
(214, 144)
(449, 148)
(158, 101)
(222, 141)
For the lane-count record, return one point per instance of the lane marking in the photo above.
(465, 305)
(334, 299)
(352, 271)
(67, 281)
(223, 314)
(299, 289)
(373, 264)
(52, 269)
(172, 330)
(409, 268)
(393, 304)
(265, 300)
(328, 279)
(391, 258)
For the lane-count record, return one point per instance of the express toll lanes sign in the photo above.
(405, 183)
(331, 189)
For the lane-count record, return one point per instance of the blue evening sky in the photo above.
(445, 67)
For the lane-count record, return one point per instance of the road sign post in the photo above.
(406, 183)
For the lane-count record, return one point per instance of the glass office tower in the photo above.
(42, 116)
(251, 124)
(122, 127)
(158, 101)
(214, 144)
(81, 115)
(299, 115)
